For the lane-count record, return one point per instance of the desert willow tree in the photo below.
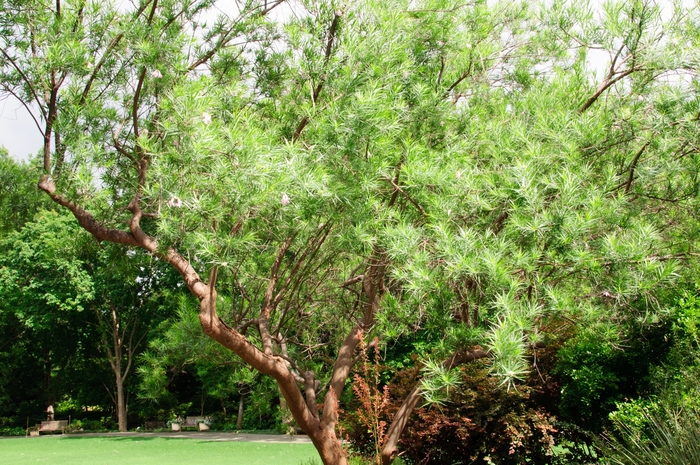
(372, 167)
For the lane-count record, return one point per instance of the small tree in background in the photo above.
(373, 398)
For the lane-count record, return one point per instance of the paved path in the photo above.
(209, 436)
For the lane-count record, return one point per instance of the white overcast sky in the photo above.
(19, 134)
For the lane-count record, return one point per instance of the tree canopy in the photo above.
(375, 167)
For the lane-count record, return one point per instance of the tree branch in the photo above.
(317, 91)
(408, 197)
(633, 167)
(26, 107)
(27, 82)
(98, 66)
(86, 220)
(268, 301)
(607, 83)
(373, 287)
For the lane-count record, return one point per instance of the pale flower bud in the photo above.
(156, 74)
(206, 118)
(285, 199)
(175, 202)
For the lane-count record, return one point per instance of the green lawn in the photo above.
(77, 450)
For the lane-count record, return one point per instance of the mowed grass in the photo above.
(77, 450)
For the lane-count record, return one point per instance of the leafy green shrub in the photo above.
(663, 427)
(75, 426)
(103, 424)
(597, 373)
(635, 414)
(12, 431)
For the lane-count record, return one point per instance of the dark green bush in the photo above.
(596, 373)
(12, 431)
(483, 423)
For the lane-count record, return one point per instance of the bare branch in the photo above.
(86, 220)
(88, 85)
(26, 80)
(26, 107)
(332, 32)
(389, 451)
(607, 83)
(268, 301)
(633, 167)
(408, 197)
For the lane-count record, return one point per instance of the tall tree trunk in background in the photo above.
(121, 404)
(239, 419)
(122, 346)
(47, 376)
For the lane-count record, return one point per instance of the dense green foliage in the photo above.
(20, 199)
(44, 293)
(441, 175)
(598, 374)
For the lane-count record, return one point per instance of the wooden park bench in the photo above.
(154, 425)
(51, 426)
(194, 422)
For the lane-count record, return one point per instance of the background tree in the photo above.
(127, 286)
(182, 349)
(20, 199)
(44, 290)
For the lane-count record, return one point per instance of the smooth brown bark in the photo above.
(239, 418)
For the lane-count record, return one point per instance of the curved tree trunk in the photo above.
(391, 444)
(302, 405)
(329, 448)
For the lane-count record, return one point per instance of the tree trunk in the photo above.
(329, 447)
(223, 407)
(47, 376)
(121, 405)
(239, 419)
(391, 444)
(286, 417)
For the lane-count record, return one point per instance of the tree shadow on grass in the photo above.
(125, 438)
